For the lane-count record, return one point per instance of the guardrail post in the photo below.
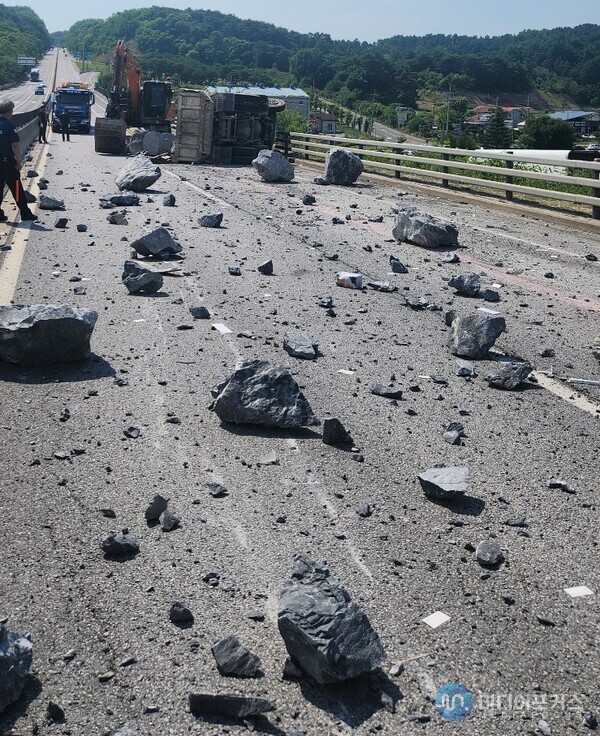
(509, 180)
(596, 208)
(398, 162)
(445, 170)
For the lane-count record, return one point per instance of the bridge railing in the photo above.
(532, 176)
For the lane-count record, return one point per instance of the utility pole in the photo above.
(448, 107)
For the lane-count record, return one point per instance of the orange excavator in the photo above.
(138, 103)
(131, 103)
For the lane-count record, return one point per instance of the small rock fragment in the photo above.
(156, 508)
(212, 220)
(266, 268)
(444, 483)
(168, 521)
(117, 545)
(180, 614)
(230, 706)
(234, 659)
(488, 553)
(334, 432)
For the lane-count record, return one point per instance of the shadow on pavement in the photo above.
(89, 370)
(253, 430)
(14, 712)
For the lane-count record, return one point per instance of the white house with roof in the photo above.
(584, 121)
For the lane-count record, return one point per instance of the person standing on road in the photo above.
(65, 121)
(42, 124)
(10, 162)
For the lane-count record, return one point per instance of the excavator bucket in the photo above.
(109, 135)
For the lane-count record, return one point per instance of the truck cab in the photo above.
(77, 99)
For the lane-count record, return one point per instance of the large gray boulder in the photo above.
(138, 279)
(16, 653)
(260, 393)
(273, 166)
(139, 174)
(342, 167)
(156, 143)
(158, 244)
(509, 374)
(41, 334)
(325, 632)
(472, 335)
(424, 230)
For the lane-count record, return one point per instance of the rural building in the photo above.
(584, 121)
(323, 122)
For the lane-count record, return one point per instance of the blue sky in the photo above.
(367, 20)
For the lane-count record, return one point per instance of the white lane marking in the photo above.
(566, 393)
(204, 192)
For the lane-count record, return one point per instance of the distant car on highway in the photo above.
(40, 89)
(593, 147)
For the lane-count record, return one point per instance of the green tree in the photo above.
(542, 131)
(290, 121)
(496, 134)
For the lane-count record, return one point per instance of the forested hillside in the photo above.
(196, 46)
(22, 33)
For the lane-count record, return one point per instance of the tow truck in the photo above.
(77, 99)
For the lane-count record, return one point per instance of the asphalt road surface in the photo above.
(104, 648)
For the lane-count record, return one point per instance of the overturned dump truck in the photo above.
(225, 128)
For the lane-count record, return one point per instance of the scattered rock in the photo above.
(158, 244)
(118, 218)
(449, 257)
(544, 727)
(334, 432)
(138, 279)
(229, 706)
(472, 335)
(397, 266)
(561, 484)
(41, 334)
(235, 270)
(454, 433)
(213, 220)
(139, 174)
(382, 286)
(388, 392)
(82, 228)
(121, 199)
(217, 490)
(16, 653)
(342, 167)
(591, 257)
(489, 295)
(364, 510)
(51, 203)
(260, 393)
(118, 545)
(488, 553)
(300, 344)
(61, 223)
(234, 659)
(179, 614)
(266, 268)
(169, 200)
(424, 230)
(272, 166)
(464, 369)
(54, 712)
(199, 312)
(168, 521)
(156, 508)
(441, 484)
(309, 199)
(508, 375)
(325, 632)
(468, 284)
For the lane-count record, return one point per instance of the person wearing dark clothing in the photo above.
(42, 119)
(10, 162)
(65, 121)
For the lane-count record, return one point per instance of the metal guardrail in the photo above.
(453, 166)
